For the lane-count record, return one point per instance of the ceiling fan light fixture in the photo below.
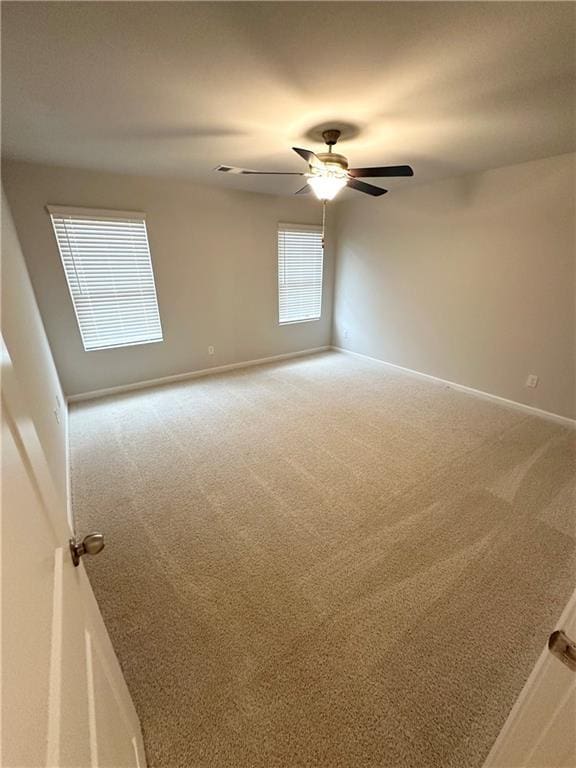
(326, 187)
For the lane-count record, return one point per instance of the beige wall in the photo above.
(27, 345)
(470, 279)
(214, 257)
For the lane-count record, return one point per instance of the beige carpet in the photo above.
(324, 562)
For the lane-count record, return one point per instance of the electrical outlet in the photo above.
(532, 380)
(210, 350)
(346, 333)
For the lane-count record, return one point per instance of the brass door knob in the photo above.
(564, 648)
(90, 545)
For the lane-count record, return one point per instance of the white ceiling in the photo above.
(177, 88)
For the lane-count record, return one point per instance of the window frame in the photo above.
(106, 215)
(298, 227)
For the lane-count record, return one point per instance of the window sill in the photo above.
(297, 322)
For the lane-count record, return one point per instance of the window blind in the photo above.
(300, 261)
(106, 259)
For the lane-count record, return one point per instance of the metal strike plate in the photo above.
(563, 648)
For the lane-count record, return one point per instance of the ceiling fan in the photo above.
(328, 172)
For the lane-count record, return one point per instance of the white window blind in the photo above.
(107, 262)
(300, 260)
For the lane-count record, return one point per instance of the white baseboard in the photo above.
(191, 375)
(476, 392)
(529, 409)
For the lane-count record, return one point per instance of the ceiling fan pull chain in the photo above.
(323, 222)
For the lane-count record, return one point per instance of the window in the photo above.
(300, 257)
(107, 262)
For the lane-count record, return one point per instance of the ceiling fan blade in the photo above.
(308, 155)
(386, 170)
(304, 190)
(233, 169)
(369, 189)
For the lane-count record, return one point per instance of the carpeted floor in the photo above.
(324, 562)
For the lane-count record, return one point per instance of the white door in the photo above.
(64, 699)
(541, 729)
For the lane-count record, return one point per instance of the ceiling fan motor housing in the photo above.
(331, 158)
